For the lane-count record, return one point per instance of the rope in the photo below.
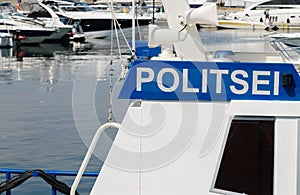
(113, 26)
(138, 25)
(19, 179)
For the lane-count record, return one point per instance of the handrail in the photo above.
(289, 53)
(90, 152)
(51, 172)
(279, 46)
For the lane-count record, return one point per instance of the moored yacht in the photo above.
(37, 10)
(288, 44)
(25, 30)
(93, 20)
(290, 39)
(270, 13)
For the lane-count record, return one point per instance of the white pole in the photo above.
(133, 28)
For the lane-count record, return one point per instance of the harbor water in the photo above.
(47, 90)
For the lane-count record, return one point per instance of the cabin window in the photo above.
(37, 11)
(279, 2)
(247, 162)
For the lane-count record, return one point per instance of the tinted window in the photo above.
(37, 11)
(248, 160)
(282, 2)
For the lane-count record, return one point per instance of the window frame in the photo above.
(222, 150)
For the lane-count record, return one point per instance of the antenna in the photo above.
(153, 12)
(133, 28)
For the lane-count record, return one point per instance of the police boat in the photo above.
(202, 126)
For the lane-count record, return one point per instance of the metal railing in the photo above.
(289, 53)
(81, 173)
(90, 152)
(9, 172)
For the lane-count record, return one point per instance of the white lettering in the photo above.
(256, 82)
(140, 80)
(185, 83)
(244, 84)
(276, 83)
(204, 81)
(160, 79)
(169, 79)
(219, 74)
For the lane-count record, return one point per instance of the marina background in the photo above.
(37, 128)
(14, 2)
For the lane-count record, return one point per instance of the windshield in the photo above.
(77, 8)
(8, 9)
(35, 11)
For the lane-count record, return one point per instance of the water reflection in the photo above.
(5, 75)
(47, 63)
(6, 52)
(43, 50)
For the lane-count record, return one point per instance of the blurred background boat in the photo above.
(6, 40)
(24, 29)
(273, 14)
(37, 10)
(94, 22)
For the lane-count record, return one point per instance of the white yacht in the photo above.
(290, 39)
(288, 44)
(93, 20)
(268, 13)
(25, 30)
(37, 10)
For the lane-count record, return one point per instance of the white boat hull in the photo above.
(29, 35)
(26, 30)
(290, 39)
(58, 34)
(33, 40)
(193, 169)
(98, 34)
(282, 14)
(239, 24)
